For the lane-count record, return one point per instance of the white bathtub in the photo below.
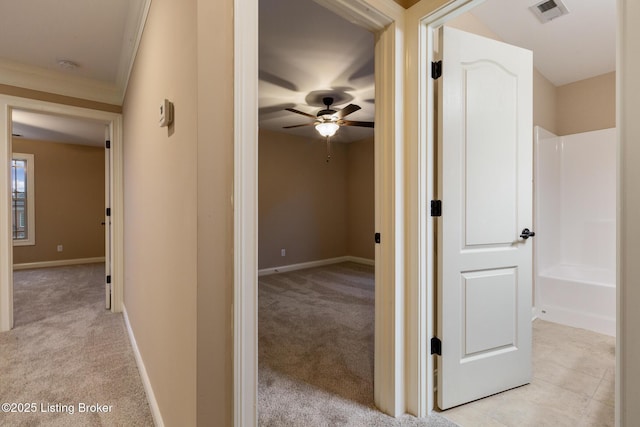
(575, 225)
(578, 295)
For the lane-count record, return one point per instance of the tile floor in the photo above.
(573, 385)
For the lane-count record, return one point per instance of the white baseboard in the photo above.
(151, 397)
(59, 263)
(311, 264)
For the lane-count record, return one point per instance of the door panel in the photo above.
(484, 268)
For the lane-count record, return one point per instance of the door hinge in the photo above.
(108, 279)
(108, 212)
(436, 70)
(436, 208)
(436, 346)
(377, 237)
(107, 144)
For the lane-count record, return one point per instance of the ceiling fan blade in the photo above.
(293, 110)
(297, 126)
(351, 108)
(354, 123)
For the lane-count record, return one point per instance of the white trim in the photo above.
(389, 148)
(389, 350)
(146, 382)
(627, 103)
(421, 19)
(534, 313)
(31, 199)
(51, 81)
(6, 238)
(117, 214)
(311, 264)
(58, 263)
(245, 215)
(7, 103)
(137, 18)
(57, 82)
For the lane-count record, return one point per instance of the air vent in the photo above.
(548, 10)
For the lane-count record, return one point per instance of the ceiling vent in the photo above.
(548, 10)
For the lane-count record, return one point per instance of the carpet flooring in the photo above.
(316, 332)
(68, 360)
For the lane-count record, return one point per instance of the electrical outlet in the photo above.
(283, 252)
(59, 248)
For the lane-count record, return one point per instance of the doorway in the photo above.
(316, 250)
(385, 21)
(113, 123)
(429, 28)
(59, 182)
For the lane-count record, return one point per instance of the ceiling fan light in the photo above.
(327, 129)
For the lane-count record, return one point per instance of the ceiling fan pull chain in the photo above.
(328, 149)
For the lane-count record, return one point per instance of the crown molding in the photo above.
(36, 78)
(138, 12)
(60, 83)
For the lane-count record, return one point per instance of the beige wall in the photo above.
(587, 105)
(160, 190)
(313, 208)
(361, 198)
(178, 209)
(69, 199)
(215, 213)
(545, 101)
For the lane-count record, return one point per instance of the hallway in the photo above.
(68, 361)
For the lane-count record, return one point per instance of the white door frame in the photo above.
(420, 175)
(7, 104)
(386, 19)
(421, 19)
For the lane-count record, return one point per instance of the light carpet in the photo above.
(67, 351)
(316, 332)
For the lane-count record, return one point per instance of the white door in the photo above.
(484, 269)
(107, 218)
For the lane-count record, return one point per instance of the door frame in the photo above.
(114, 120)
(386, 19)
(421, 20)
(421, 175)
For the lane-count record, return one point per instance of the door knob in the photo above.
(526, 233)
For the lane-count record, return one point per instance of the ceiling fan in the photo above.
(328, 121)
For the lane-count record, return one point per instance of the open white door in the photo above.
(107, 218)
(485, 184)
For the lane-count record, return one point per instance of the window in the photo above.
(22, 199)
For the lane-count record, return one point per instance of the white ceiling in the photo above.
(99, 36)
(305, 52)
(47, 127)
(572, 47)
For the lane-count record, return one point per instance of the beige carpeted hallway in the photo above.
(316, 350)
(67, 354)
